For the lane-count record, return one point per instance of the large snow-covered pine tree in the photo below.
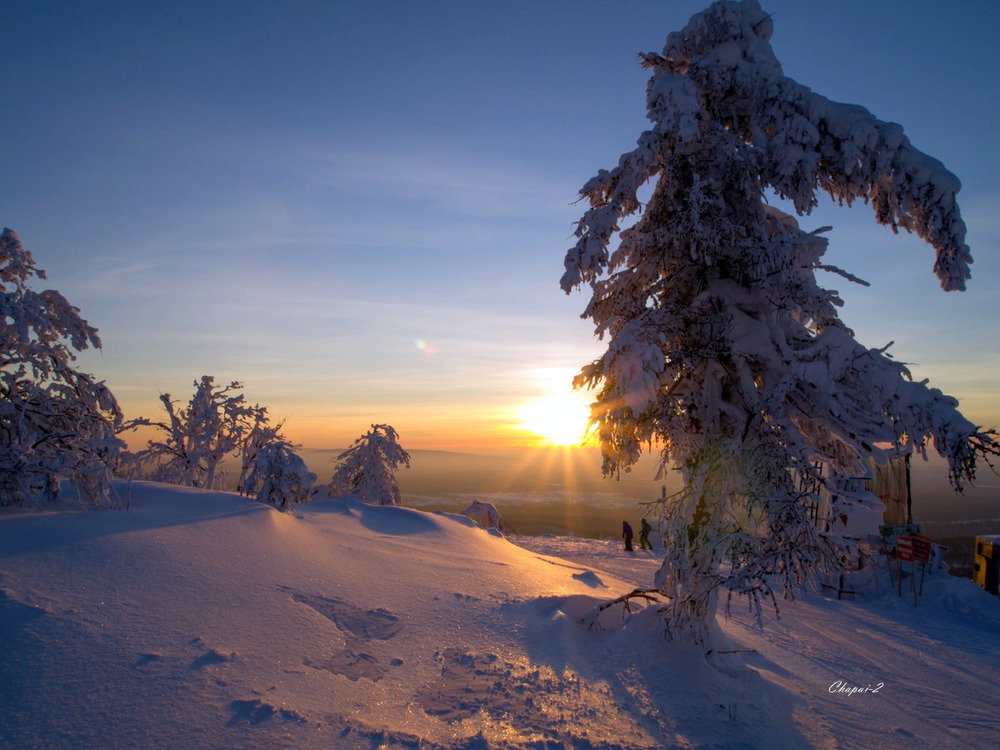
(55, 421)
(722, 347)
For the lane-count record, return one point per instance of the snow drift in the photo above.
(200, 619)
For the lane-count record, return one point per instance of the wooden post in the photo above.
(909, 493)
(904, 553)
(922, 549)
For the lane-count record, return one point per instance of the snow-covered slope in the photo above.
(205, 620)
(871, 672)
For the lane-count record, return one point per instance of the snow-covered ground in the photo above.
(205, 620)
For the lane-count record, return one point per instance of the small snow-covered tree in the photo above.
(55, 422)
(723, 348)
(367, 470)
(487, 516)
(272, 470)
(216, 423)
(260, 436)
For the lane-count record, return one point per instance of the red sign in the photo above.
(904, 548)
(921, 548)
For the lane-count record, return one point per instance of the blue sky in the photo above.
(360, 209)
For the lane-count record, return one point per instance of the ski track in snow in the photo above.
(204, 620)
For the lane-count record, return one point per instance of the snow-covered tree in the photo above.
(215, 424)
(55, 422)
(723, 349)
(272, 470)
(487, 516)
(367, 470)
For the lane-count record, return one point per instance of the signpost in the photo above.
(912, 549)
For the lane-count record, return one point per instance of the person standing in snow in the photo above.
(644, 535)
(627, 533)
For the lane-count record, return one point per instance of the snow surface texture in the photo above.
(206, 620)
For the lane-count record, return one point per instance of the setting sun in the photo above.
(558, 419)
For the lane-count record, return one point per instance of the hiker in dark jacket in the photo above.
(627, 533)
(644, 535)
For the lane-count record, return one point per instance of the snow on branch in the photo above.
(367, 470)
(55, 422)
(722, 347)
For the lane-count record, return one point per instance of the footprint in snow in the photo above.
(257, 712)
(360, 627)
(590, 578)
(144, 660)
(353, 666)
(211, 657)
(378, 624)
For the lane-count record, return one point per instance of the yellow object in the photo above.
(986, 563)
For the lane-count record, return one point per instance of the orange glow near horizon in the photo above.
(549, 413)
